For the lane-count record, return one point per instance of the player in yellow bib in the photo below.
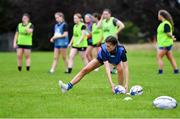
(23, 41)
(97, 35)
(111, 26)
(78, 42)
(165, 40)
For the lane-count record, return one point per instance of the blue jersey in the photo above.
(114, 58)
(59, 29)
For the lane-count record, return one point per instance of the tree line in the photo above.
(139, 16)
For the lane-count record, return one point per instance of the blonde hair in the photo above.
(60, 14)
(79, 16)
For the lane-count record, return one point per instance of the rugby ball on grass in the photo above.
(119, 90)
(136, 90)
(165, 102)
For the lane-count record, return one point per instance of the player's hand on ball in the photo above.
(126, 87)
(113, 88)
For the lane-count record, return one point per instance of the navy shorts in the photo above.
(168, 48)
(24, 46)
(59, 47)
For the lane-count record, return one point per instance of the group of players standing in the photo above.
(98, 33)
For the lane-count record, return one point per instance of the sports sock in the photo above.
(28, 68)
(160, 71)
(176, 71)
(70, 85)
(19, 68)
(69, 70)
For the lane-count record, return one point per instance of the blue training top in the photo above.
(118, 55)
(59, 29)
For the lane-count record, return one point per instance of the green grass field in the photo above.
(36, 93)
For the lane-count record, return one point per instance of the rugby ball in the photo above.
(119, 90)
(136, 90)
(165, 102)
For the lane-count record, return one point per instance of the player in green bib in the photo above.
(78, 42)
(23, 41)
(111, 26)
(97, 35)
(165, 39)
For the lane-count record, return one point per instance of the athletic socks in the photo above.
(27, 68)
(176, 71)
(70, 85)
(69, 70)
(160, 71)
(19, 68)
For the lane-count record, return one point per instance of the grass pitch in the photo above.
(36, 93)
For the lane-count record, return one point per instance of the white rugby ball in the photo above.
(136, 90)
(165, 102)
(119, 90)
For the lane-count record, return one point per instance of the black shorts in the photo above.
(96, 45)
(80, 49)
(24, 46)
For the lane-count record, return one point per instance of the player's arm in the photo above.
(29, 29)
(120, 26)
(168, 32)
(125, 69)
(60, 36)
(126, 72)
(65, 33)
(100, 41)
(71, 42)
(108, 72)
(15, 40)
(99, 24)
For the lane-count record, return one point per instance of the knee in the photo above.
(86, 54)
(27, 56)
(64, 58)
(19, 56)
(55, 58)
(71, 57)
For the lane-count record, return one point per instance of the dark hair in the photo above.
(26, 14)
(167, 16)
(112, 40)
(97, 15)
(107, 10)
(60, 14)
